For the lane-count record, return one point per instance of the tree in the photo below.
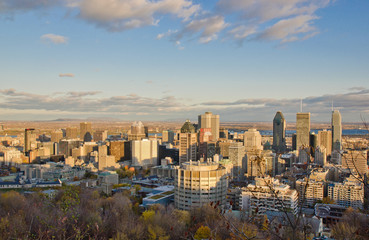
(203, 232)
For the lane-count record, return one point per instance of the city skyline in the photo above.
(165, 60)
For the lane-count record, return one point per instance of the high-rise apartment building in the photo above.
(336, 130)
(85, 131)
(209, 120)
(252, 140)
(267, 194)
(356, 161)
(199, 183)
(302, 130)
(350, 193)
(310, 191)
(279, 132)
(325, 140)
(145, 153)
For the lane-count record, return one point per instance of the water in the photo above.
(345, 132)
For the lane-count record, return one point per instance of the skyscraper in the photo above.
(302, 130)
(29, 139)
(208, 120)
(137, 131)
(252, 140)
(71, 133)
(325, 140)
(85, 130)
(336, 130)
(187, 143)
(187, 147)
(145, 153)
(236, 156)
(279, 132)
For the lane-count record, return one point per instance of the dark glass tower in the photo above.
(279, 132)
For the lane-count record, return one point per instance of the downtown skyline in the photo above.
(164, 60)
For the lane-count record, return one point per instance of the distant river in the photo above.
(345, 132)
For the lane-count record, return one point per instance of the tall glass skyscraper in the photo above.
(302, 130)
(336, 130)
(279, 132)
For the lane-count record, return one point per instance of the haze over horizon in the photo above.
(174, 59)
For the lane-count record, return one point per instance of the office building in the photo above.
(302, 130)
(167, 150)
(29, 140)
(56, 136)
(314, 141)
(187, 143)
(320, 156)
(188, 127)
(71, 133)
(209, 120)
(187, 147)
(121, 150)
(223, 133)
(205, 135)
(252, 140)
(100, 135)
(223, 148)
(336, 130)
(236, 156)
(279, 132)
(325, 140)
(168, 136)
(145, 153)
(200, 183)
(137, 131)
(85, 131)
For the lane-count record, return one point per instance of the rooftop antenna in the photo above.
(332, 105)
(301, 105)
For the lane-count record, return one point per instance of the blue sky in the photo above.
(174, 59)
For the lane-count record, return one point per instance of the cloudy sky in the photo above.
(174, 59)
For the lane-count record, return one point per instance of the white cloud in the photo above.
(118, 15)
(288, 30)
(278, 20)
(207, 28)
(53, 38)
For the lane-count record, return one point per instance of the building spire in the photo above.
(301, 105)
(332, 105)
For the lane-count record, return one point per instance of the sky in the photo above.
(175, 59)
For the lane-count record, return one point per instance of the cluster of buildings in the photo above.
(203, 163)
